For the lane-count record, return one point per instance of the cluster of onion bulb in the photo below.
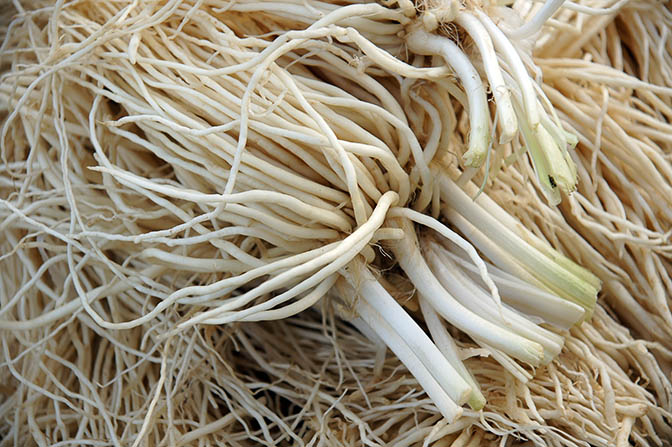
(211, 162)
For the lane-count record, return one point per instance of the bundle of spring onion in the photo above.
(615, 94)
(175, 168)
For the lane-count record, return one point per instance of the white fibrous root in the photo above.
(174, 175)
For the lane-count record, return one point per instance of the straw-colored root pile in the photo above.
(329, 385)
(139, 262)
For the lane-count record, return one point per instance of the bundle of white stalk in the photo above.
(614, 91)
(202, 164)
(622, 208)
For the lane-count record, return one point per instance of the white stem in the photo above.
(476, 300)
(375, 295)
(558, 279)
(526, 297)
(489, 247)
(493, 208)
(562, 167)
(506, 114)
(411, 260)
(518, 70)
(540, 162)
(449, 234)
(449, 349)
(371, 321)
(422, 42)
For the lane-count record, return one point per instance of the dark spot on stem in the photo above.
(552, 181)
